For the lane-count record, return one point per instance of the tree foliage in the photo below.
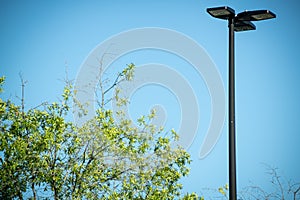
(43, 155)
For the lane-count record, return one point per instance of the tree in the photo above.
(282, 189)
(46, 156)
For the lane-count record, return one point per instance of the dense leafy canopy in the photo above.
(43, 155)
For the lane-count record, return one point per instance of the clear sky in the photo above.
(41, 39)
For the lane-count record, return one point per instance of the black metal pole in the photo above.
(232, 150)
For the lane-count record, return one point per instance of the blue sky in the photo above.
(41, 38)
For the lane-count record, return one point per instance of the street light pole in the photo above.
(236, 23)
(231, 101)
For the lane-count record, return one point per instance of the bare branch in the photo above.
(23, 83)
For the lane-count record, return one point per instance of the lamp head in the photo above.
(255, 15)
(223, 12)
(243, 26)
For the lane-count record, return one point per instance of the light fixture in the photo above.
(224, 12)
(243, 26)
(255, 15)
(241, 21)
